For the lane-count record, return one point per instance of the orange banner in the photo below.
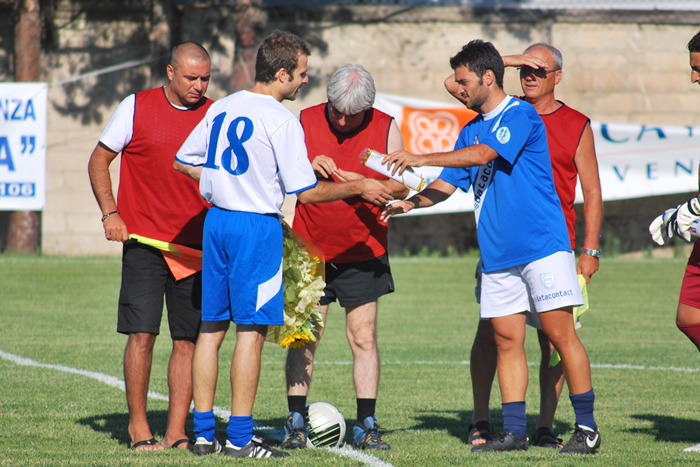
(433, 130)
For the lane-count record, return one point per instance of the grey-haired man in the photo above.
(353, 241)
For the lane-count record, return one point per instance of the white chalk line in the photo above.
(277, 433)
(222, 413)
(612, 366)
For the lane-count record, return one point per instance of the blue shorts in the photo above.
(242, 268)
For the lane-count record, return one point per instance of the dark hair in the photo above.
(480, 56)
(694, 44)
(281, 49)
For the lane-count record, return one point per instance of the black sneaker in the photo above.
(256, 448)
(366, 435)
(296, 432)
(583, 441)
(506, 441)
(202, 447)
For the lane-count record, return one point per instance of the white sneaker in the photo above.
(695, 448)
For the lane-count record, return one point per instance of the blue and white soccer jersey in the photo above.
(526, 256)
(519, 215)
(251, 150)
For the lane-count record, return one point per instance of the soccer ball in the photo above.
(326, 425)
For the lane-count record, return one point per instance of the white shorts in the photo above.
(547, 284)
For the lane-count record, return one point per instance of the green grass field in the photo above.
(61, 314)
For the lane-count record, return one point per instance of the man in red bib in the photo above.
(353, 241)
(156, 202)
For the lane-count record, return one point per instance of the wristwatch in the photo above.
(594, 253)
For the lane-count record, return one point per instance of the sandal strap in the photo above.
(544, 435)
(480, 430)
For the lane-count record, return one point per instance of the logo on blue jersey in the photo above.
(503, 135)
(547, 279)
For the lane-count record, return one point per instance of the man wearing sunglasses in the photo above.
(572, 152)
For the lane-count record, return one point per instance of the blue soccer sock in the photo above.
(514, 419)
(204, 424)
(240, 430)
(583, 408)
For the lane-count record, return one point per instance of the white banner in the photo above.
(635, 161)
(23, 109)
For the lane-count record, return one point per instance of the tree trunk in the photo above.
(23, 233)
(251, 24)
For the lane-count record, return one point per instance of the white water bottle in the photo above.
(374, 160)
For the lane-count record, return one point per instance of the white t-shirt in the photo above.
(252, 152)
(120, 128)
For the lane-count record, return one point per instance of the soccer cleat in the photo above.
(583, 441)
(366, 435)
(255, 448)
(202, 447)
(506, 441)
(296, 432)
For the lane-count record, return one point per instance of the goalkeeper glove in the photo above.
(688, 213)
(661, 228)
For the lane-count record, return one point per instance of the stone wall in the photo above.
(619, 67)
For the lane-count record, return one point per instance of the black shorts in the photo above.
(354, 284)
(146, 279)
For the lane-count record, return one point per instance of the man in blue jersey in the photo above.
(247, 153)
(528, 265)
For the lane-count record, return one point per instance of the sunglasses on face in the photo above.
(538, 72)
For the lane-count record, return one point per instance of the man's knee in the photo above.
(484, 340)
(363, 341)
(141, 341)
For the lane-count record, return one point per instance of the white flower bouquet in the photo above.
(303, 276)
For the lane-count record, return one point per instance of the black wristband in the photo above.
(109, 214)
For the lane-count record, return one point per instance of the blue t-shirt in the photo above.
(519, 217)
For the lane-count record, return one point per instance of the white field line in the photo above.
(278, 434)
(223, 414)
(613, 366)
(360, 456)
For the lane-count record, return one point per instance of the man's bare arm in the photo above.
(470, 156)
(371, 190)
(395, 143)
(101, 182)
(523, 60)
(437, 192)
(192, 171)
(587, 167)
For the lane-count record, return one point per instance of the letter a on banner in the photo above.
(23, 146)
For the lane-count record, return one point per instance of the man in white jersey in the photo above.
(528, 265)
(247, 153)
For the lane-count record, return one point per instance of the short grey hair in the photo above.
(351, 89)
(556, 54)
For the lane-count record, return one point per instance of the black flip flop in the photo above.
(147, 442)
(181, 441)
